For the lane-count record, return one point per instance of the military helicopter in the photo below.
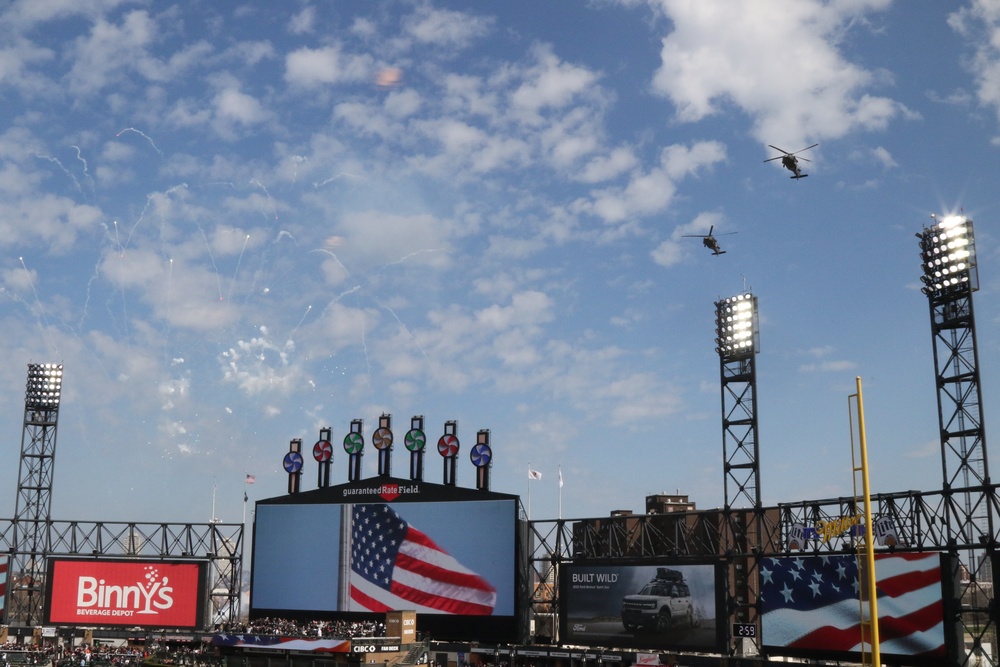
(710, 241)
(790, 161)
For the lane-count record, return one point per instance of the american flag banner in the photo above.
(396, 566)
(811, 603)
(3, 583)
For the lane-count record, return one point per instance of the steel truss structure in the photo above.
(34, 483)
(220, 544)
(924, 521)
(736, 331)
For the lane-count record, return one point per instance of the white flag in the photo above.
(560, 478)
(534, 474)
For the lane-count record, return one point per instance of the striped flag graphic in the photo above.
(396, 566)
(811, 603)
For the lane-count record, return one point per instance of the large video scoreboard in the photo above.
(359, 550)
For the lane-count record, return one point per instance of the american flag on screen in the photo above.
(3, 582)
(811, 602)
(396, 566)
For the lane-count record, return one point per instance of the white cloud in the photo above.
(550, 84)
(234, 105)
(884, 157)
(110, 50)
(445, 28)
(979, 24)
(606, 167)
(15, 62)
(303, 22)
(777, 60)
(319, 67)
(652, 191)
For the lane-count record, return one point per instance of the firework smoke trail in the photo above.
(237, 271)
(254, 181)
(64, 169)
(297, 160)
(412, 254)
(336, 177)
(86, 172)
(406, 330)
(41, 309)
(132, 129)
(368, 361)
(86, 301)
(142, 214)
(264, 259)
(118, 238)
(218, 279)
(304, 315)
(335, 258)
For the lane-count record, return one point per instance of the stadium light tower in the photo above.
(737, 339)
(737, 342)
(950, 276)
(33, 507)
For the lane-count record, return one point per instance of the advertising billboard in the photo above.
(810, 607)
(660, 606)
(132, 592)
(381, 546)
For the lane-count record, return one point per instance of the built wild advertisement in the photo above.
(663, 606)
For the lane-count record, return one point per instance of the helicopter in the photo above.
(710, 241)
(790, 161)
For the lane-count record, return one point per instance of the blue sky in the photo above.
(237, 224)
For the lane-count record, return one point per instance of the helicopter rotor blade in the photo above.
(804, 149)
(774, 158)
(781, 149)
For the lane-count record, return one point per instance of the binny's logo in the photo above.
(97, 597)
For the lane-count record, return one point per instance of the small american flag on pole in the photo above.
(251, 478)
(811, 603)
(396, 566)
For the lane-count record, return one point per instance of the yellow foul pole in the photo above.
(869, 541)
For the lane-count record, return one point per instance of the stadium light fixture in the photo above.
(736, 326)
(44, 386)
(948, 256)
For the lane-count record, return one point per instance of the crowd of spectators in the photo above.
(81, 656)
(280, 627)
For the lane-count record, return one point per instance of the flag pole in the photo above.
(560, 491)
(529, 490)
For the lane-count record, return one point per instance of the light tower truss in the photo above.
(950, 276)
(921, 523)
(33, 505)
(218, 544)
(737, 341)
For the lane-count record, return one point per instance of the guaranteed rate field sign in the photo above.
(129, 593)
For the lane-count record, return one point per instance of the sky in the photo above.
(237, 224)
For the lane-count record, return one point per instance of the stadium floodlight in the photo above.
(736, 326)
(948, 256)
(44, 386)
